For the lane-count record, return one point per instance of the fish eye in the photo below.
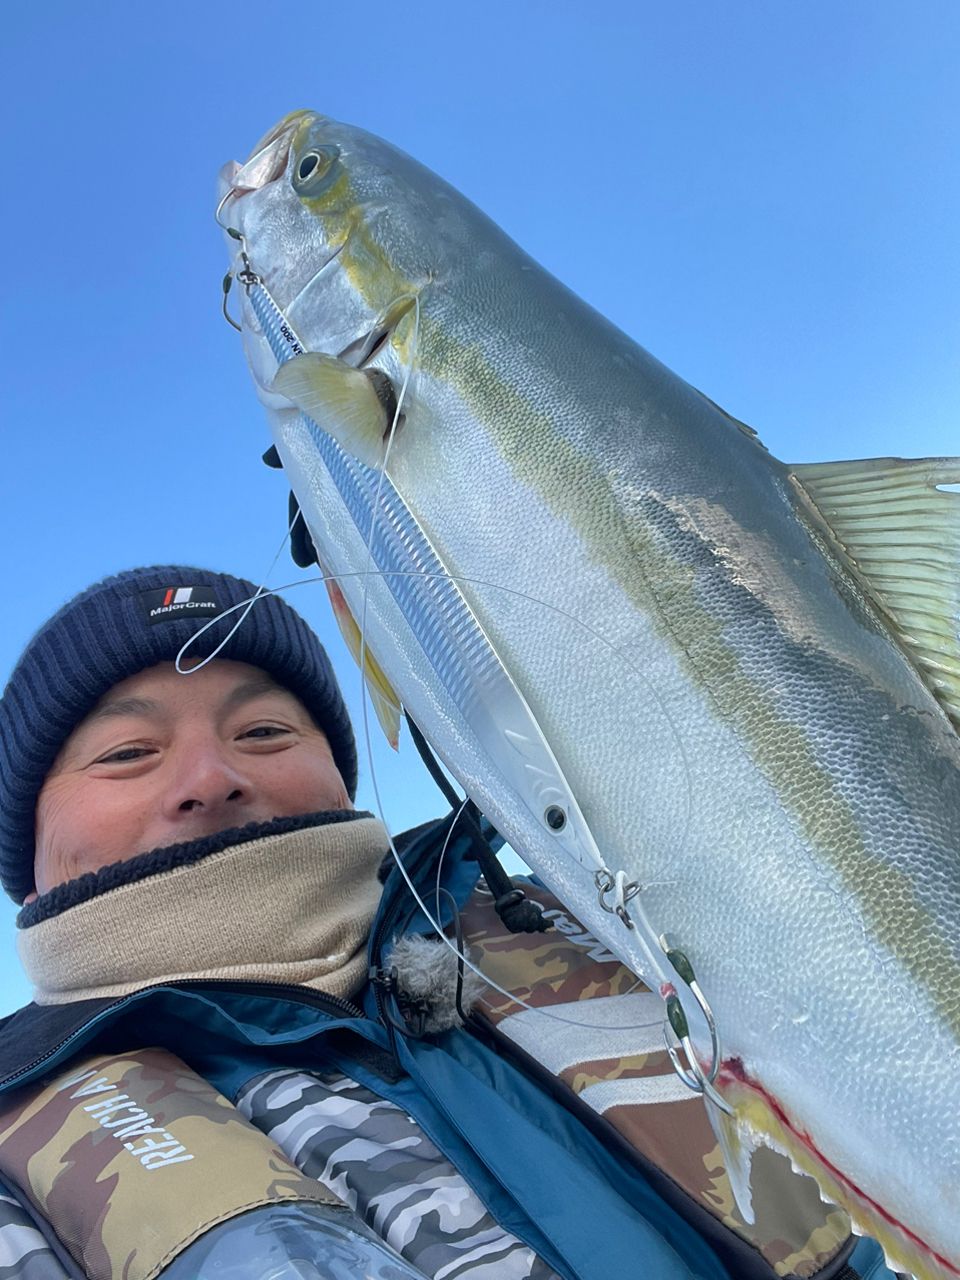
(314, 170)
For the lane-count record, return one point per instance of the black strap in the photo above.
(511, 903)
(433, 764)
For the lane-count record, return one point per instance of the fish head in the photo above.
(339, 226)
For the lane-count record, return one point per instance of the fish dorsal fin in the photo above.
(899, 526)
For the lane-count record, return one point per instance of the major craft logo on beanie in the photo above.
(169, 603)
(119, 627)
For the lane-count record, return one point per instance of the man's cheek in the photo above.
(82, 824)
(53, 806)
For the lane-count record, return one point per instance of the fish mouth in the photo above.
(265, 164)
(268, 159)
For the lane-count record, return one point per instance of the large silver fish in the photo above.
(710, 697)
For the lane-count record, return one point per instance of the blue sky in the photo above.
(765, 195)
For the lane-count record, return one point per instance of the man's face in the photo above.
(165, 757)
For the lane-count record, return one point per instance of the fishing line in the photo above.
(461, 955)
(434, 923)
(438, 887)
(446, 845)
(260, 592)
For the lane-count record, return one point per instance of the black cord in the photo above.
(517, 912)
(433, 764)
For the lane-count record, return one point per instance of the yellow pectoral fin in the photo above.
(356, 406)
(385, 701)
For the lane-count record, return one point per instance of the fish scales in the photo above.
(745, 733)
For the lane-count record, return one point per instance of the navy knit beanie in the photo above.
(122, 626)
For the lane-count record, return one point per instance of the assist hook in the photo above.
(697, 1079)
(247, 276)
(615, 891)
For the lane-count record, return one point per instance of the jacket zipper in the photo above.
(282, 990)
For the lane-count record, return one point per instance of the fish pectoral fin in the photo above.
(898, 525)
(385, 701)
(356, 406)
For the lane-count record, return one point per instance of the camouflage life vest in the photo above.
(610, 1063)
(132, 1157)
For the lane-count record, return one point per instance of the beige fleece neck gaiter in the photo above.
(294, 908)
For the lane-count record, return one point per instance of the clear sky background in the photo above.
(765, 194)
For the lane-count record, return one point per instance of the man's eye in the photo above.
(264, 731)
(125, 755)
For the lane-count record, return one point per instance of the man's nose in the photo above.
(207, 781)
